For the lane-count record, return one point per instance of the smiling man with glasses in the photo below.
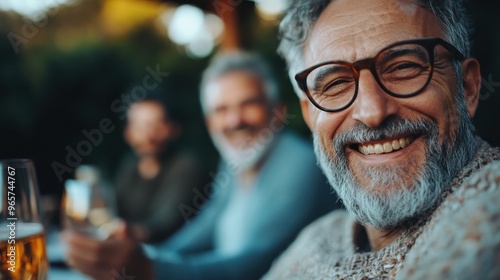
(388, 89)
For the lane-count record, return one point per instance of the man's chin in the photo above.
(390, 200)
(383, 180)
(241, 159)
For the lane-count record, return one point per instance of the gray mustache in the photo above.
(392, 127)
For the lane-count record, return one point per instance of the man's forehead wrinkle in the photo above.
(342, 34)
(349, 46)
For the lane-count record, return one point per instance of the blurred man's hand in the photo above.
(117, 257)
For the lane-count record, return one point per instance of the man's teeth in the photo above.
(385, 147)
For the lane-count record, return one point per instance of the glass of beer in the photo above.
(22, 238)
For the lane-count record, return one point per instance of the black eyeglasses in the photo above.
(402, 69)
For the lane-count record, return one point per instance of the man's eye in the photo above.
(406, 66)
(404, 70)
(336, 85)
(219, 110)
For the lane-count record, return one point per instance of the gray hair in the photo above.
(240, 61)
(301, 16)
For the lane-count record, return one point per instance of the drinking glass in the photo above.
(88, 204)
(22, 236)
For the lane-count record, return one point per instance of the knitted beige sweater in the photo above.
(459, 240)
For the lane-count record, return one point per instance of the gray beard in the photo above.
(403, 201)
(241, 159)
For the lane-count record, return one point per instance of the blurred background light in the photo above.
(186, 24)
(32, 9)
(201, 47)
(271, 9)
(215, 25)
(120, 17)
(190, 27)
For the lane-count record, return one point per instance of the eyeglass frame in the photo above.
(369, 63)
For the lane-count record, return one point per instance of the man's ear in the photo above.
(471, 83)
(304, 105)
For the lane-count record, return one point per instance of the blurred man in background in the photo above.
(267, 188)
(152, 183)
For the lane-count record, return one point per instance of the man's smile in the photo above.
(384, 146)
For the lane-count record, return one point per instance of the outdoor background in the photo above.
(64, 63)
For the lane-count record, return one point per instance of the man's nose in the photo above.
(234, 118)
(372, 105)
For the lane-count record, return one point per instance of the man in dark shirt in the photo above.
(152, 183)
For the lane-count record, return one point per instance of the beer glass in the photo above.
(22, 238)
